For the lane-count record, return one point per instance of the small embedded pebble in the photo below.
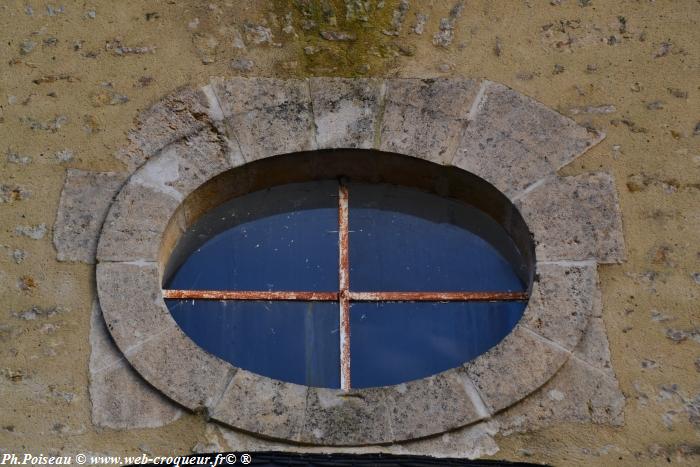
(341, 36)
(593, 109)
(144, 81)
(26, 283)
(10, 193)
(676, 335)
(117, 48)
(288, 26)
(308, 25)
(64, 155)
(497, 48)
(53, 11)
(648, 364)
(35, 232)
(524, 75)
(679, 93)
(242, 64)
(51, 125)
(19, 255)
(444, 36)
(419, 25)
(257, 34)
(16, 158)
(26, 47)
(663, 50)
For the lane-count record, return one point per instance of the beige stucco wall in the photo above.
(636, 79)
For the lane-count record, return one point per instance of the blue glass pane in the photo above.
(290, 341)
(397, 342)
(406, 240)
(283, 238)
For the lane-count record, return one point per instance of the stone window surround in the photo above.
(200, 134)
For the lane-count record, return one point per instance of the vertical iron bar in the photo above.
(344, 283)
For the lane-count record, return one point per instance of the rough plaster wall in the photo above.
(75, 74)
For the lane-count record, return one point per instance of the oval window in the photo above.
(340, 284)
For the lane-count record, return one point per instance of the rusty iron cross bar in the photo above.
(353, 296)
(344, 284)
(344, 296)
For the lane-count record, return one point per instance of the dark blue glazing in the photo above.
(402, 239)
(291, 341)
(395, 342)
(284, 238)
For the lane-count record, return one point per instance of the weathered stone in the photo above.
(561, 301)
(345, 111)
(186, 164)
(177, 115)
(135, 223)
(263, 405)
(239, 95)
(145, 331)
(273, 131)
(472, 442)
(334, 417)
(593, 347)
(85, 199)
(181, 370)
(584, 390)
(517, 366)
(577, 393)
(131, 301)
(267, 116)
(513, 141)
(575, 218)
(433, 405)
(425, 118)
(120, 398)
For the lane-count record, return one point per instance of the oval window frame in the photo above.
(433, 179)
(182, 181)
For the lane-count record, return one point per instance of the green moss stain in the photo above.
(367, 50)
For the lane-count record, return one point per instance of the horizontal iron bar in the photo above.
(250, 295)
(437, 296)
(352, 296)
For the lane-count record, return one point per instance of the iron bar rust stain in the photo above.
(344, 285)
(347, 296)
(250, 295)
(437, 296)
